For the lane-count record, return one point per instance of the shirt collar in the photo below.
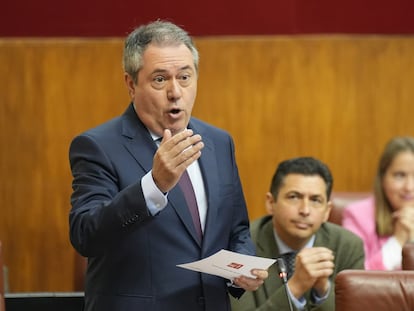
(283, 248)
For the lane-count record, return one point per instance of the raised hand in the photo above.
(173, 156)
(404, 224)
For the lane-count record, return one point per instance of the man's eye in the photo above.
(293, 196)
(317, 200)
(185, 79)
(159, 79)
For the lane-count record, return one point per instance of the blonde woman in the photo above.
(385, 221)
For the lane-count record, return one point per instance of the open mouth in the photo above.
(175, 111)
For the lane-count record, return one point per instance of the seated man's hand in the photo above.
(313, 267)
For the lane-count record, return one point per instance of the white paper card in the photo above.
(229, 264)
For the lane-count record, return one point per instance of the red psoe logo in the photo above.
(235, 265)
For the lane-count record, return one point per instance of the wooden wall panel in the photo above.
(336, 98)
(339, 98)
(50, 91)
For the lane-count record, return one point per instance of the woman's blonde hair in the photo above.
(383, 208)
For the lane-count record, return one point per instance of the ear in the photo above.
(328, 210)
(269, 203)
(130, 85)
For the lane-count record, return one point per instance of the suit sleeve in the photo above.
(101, 212)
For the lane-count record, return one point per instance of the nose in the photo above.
(409, 183)
(304, 208)
(173, 90)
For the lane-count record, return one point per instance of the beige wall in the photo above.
(338, 98)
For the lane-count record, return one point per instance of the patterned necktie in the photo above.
(290, 263)
(189, 195)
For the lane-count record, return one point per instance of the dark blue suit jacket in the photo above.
(132, 256)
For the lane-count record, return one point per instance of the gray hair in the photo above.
(160, 33)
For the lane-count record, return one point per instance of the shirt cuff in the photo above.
(318, 300)
(156, 200)
(299, 303)
(230, 283)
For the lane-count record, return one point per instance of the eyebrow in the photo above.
(160, 70)
(311, 195)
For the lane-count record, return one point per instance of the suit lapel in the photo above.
(208, 167)
(209, 172)
(138, 141)
(178, 203)
(267, 247)
(322, 238)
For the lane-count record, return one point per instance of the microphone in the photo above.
(281, 266)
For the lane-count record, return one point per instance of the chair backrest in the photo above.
(2, 303)
(364, 290)
(340, 200)
(408, 256)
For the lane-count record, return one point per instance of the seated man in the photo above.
(298, 206)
